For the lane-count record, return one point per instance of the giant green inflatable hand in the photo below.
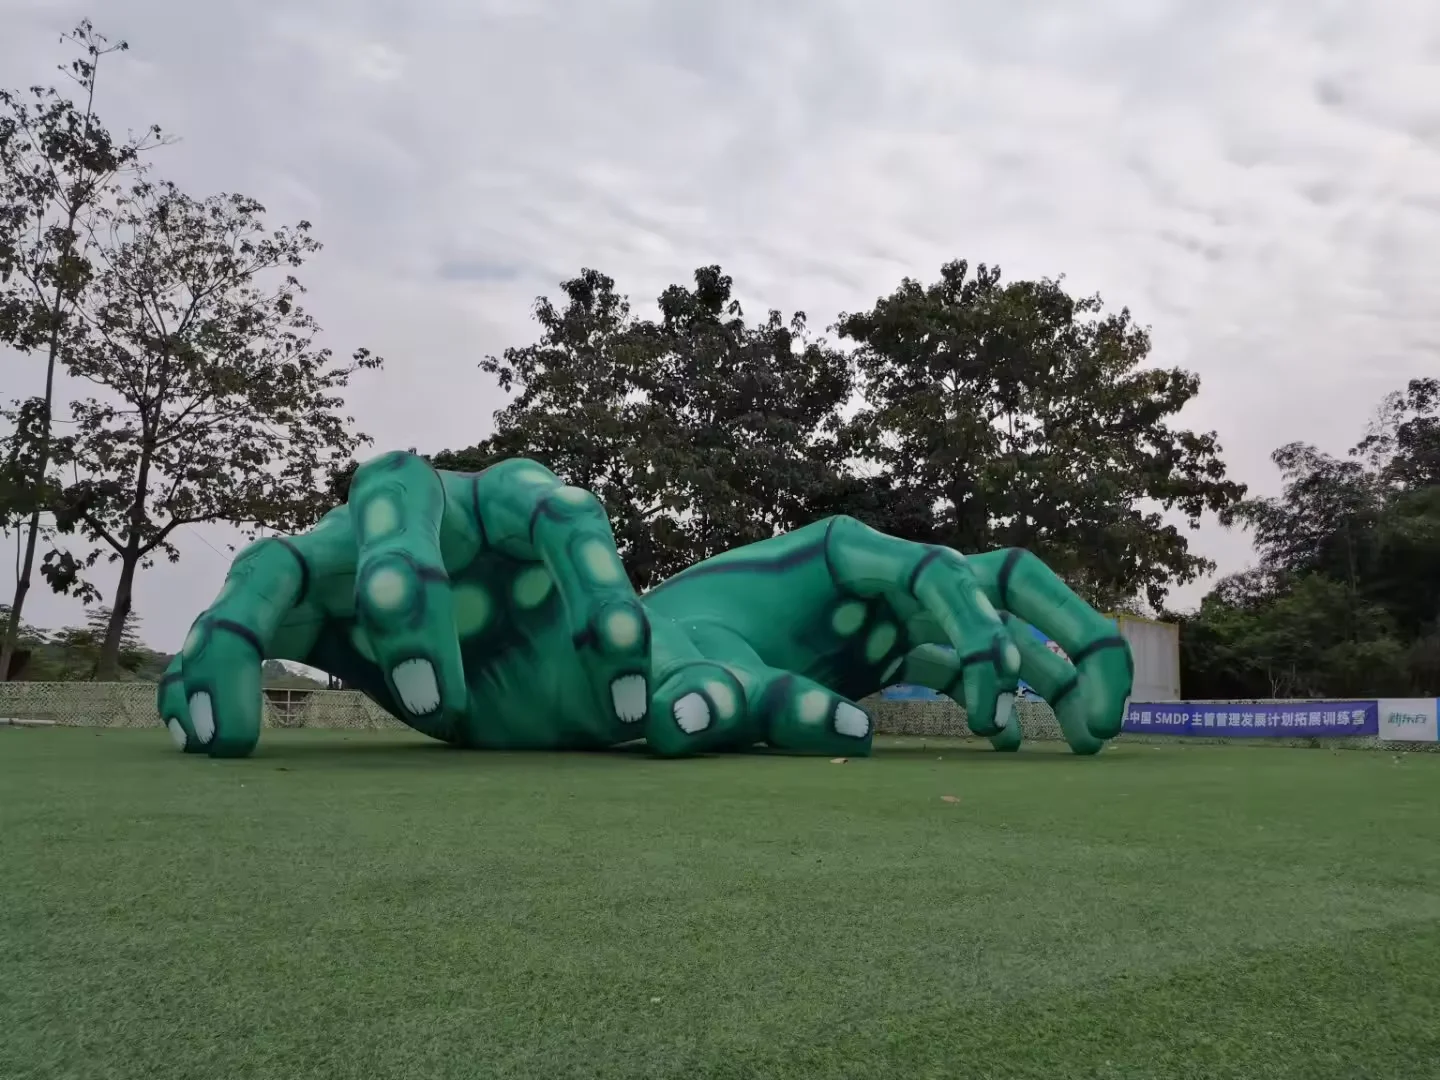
(491, 610)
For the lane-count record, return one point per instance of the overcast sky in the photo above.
(1258, 181)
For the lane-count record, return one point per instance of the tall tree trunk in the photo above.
(32, 537)
(107, 668)
(17, 605)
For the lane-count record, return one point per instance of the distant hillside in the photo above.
(71, 654)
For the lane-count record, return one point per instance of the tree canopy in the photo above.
(699, 430)
(1345, 599)
(1025, 418)
(59, 168)
(219, 405)
(994, 415)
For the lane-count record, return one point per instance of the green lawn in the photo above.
(375, 906)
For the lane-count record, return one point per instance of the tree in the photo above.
(1024, 418)
(738, 424)
(27, 640)
(1345, 600)
(1403, 449)
(83, 646)
(575, 406)
(219, 405)
(58, 166)
(1308, 639)
(1370, 521)
(699, 431)
(1403, 443)
(1322, 523)
(97, 622)
(29, 490)
(73, 652)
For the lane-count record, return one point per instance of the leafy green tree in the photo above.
(27, 634)
(739, 423)
(1403, 443)
(699, 431)
(1309, 639)
(28, 639)
(1324, 522)
(1403, 448)
(73, 653)
(219, 405)
(576, 408)
(1345, 600)
(31, 456)
(1025, 418)
(58, 169)
(99, 618)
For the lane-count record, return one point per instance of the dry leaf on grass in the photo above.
(838, 760)
(949, 798)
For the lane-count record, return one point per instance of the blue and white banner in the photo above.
(1291, 719)
(907, 692)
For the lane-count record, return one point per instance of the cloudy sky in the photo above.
(1259, 181)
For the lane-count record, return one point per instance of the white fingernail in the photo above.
(851, 721)
(692, 714)
(202, 716)
(177, 733)
(416, 684)
(629, 696)
(1004, 706)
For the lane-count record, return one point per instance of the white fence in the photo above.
(132, 705)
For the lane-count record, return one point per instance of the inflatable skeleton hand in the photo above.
(491, 610)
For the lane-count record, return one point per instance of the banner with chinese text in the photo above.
(1291, 719)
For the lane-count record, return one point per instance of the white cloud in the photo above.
(1258, 181)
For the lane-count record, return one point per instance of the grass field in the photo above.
(375, 906)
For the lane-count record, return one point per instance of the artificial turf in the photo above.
(376, 906)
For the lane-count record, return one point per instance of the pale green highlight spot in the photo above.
(472, 609)
(380, 518)
(880, 642)
(866, 562)
(193, 640)
(848, 617)
(533, 586)
(361, 640)
(575, 496)
(813, 705)
(743, 677)
(1012, 657)
(531, 476)
(623, 629)
(722, 697)
(601, 562)
(984, 606)
(387, 589)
